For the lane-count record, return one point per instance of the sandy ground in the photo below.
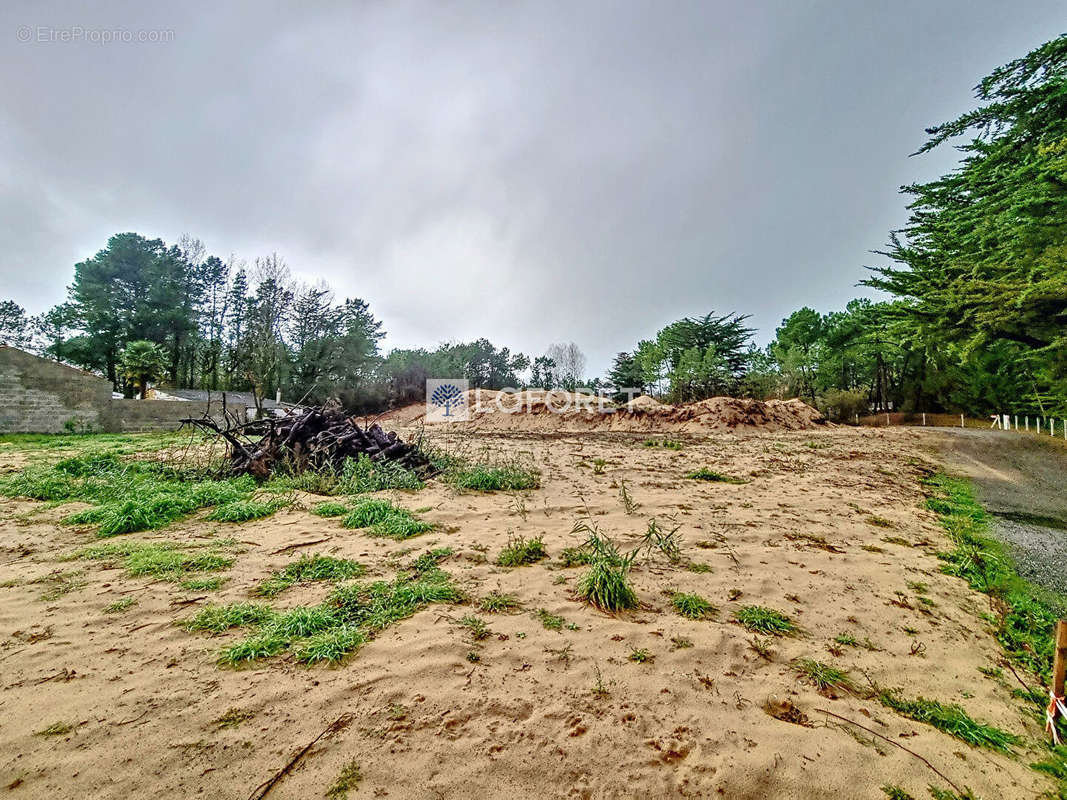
(424, 722)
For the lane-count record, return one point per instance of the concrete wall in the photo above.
(38, 395)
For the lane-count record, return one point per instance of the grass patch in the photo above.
(641, 655)
(606, 583)
(520, 551)
(216, 619)
(360, 476)
(383, 519)
(246, 510)
(705, 474)
(822, 676)
(345, 782)
(485, 478)
(764, 620)
(330, 508)
(126, 496)
(232, 718)
(951, 719)
(169, 561)
(123, 604)
(308, 569)
(475, 626)
(55, 729)
(692, 606)
(497, 603)
(352, 614)
(666, 444)
(331, 645)
(550, 621)
(207, 584)
(575, 557)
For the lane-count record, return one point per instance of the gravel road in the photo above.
(1021, 481)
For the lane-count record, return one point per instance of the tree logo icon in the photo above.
(446, 400)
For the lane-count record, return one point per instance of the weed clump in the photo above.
(520, 551)
(216, 619)
(606, 583)
(951, 719)
(360, 476)
(486, 478)
(330, 508)
(705, 474)
(692, 606)
(382, 518)
(497, 603)
(308, 569)
(163, 560)
(347, 781)
(246, 510)
(330, 632)
(822, 676)
(764, 620)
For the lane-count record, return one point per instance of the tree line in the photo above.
(142, 312)
(976, 315)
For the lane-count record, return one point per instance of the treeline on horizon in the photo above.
(975, 320)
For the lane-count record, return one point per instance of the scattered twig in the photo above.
(297, 545)
(895, 744)
(264, 788)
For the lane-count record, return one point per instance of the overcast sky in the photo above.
(526, 171)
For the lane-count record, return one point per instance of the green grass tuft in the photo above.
(822, 676)
(361, 476)
(606, 584)
(382, 518)
(484, 478)
(692, 606)
(764, 620)
(520, 551)
(497, 603)
(951, 719)
(216, 619)
(552, 622)
(123, 604)
(330, 508)
(705, 474)
(308, 569)
(246, 510)
(163, 560)
(347, 781)
(331, 646)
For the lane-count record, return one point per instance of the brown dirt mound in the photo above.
(566, 411)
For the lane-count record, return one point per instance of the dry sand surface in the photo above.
(559, 411)
(806, 534)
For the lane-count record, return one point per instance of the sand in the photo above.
(523, 721)
(560, 411)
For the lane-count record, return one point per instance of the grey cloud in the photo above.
(530, 172)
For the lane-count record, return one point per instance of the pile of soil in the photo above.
(568, 411)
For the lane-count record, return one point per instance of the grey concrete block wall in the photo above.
(40, 396)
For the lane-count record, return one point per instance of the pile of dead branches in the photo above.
(322, 437)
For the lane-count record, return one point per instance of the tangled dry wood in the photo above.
(322, 437)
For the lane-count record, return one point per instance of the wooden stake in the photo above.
(1059, 664)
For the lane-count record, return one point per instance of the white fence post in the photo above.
(924, 419)
(961, 421)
